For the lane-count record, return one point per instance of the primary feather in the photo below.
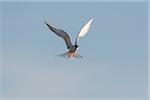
(61, 33)
(84, 30)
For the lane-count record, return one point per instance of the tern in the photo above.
(72, 53)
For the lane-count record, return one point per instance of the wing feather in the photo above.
(61, 33)
(84, 30)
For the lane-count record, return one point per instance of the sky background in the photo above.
(114, 50)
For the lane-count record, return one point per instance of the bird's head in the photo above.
(76, 46)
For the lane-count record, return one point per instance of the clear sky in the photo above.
(114, 50)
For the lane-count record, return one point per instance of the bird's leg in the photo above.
(69, 54)
(77, 55)
(74, 54)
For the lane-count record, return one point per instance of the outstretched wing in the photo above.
(60, 33)
(84, 30)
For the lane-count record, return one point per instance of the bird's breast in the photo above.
(72, 50)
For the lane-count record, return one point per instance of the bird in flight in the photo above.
(72, 53)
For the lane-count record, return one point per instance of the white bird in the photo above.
(72, 48)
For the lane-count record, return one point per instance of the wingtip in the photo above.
(91, 19)
(45, 21)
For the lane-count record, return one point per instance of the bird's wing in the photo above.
(84, 30)
(60, 33)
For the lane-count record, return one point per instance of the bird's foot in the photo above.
(70, 55)
(74, 55)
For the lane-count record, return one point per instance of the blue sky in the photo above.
(114, 50)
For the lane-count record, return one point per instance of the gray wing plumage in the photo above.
(61, 33)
